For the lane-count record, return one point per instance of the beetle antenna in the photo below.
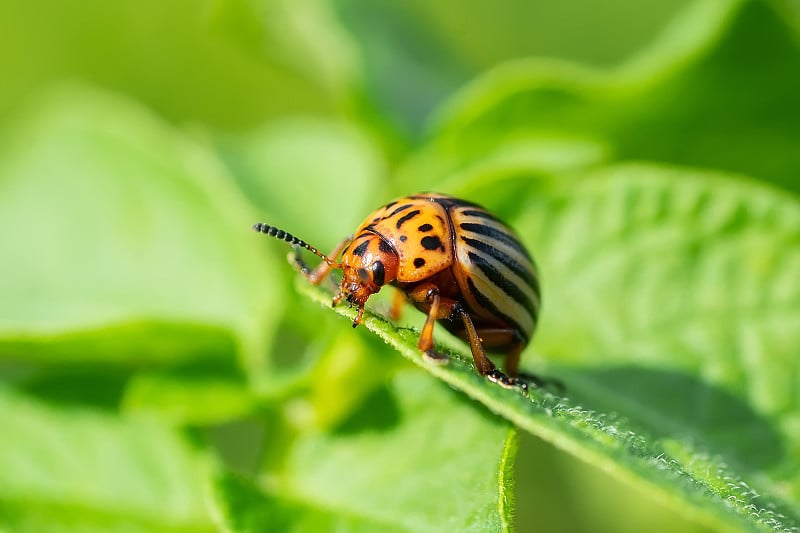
(272, 231)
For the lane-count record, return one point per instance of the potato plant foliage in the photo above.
(162, 367)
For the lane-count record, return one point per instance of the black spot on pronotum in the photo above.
(403, 238)
(398, 210)
(431, 243)
(361, 249)
(378, 273)
(425, 227)
(408, 216)
(419, 262)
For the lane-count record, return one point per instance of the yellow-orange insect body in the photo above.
(453, 260)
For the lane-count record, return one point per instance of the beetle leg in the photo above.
(512, 358)
(506, 338)
(318, 275)
(428, 293)
(426, 337)
(398, 301)
(512, 369)
(359, 316)
(483, 363)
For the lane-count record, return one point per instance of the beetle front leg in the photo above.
(398, 301)
(318, 275)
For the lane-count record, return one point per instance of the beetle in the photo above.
(455, 261)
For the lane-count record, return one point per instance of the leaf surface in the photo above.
(86, 470)
(397, 464)
(671, 312)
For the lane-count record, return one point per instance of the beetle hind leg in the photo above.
(484, 365)
(533, 380)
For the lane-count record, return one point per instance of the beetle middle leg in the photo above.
(437, 307)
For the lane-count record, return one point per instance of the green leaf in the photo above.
(293, 170)
(303, 35)
(702, 95)
(159, 53)
(128, 241)
(77, 469)
(587, 32)
(571, 495)
(407, 68)
(191, 395)
(414, 457)
(415, 54)
(398, 61)
(671, 312)
(790, 10)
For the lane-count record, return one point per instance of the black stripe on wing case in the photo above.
(493, 233)
(487, 304)
(509, 262)
(448, 202)
(502, 282)
(480, 213)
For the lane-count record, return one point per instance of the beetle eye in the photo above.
(378, 273)
(363, 275)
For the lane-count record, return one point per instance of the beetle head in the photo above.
(368, 264)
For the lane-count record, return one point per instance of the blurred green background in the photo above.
(139, 141)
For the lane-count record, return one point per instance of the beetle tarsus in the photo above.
(508, 382)
(359, 316)
(500, 378)
(434, 357)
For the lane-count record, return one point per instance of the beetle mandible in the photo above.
(455, 261)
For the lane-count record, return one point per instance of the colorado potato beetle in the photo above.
(455, 261)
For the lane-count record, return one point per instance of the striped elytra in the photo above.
(455, 261)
